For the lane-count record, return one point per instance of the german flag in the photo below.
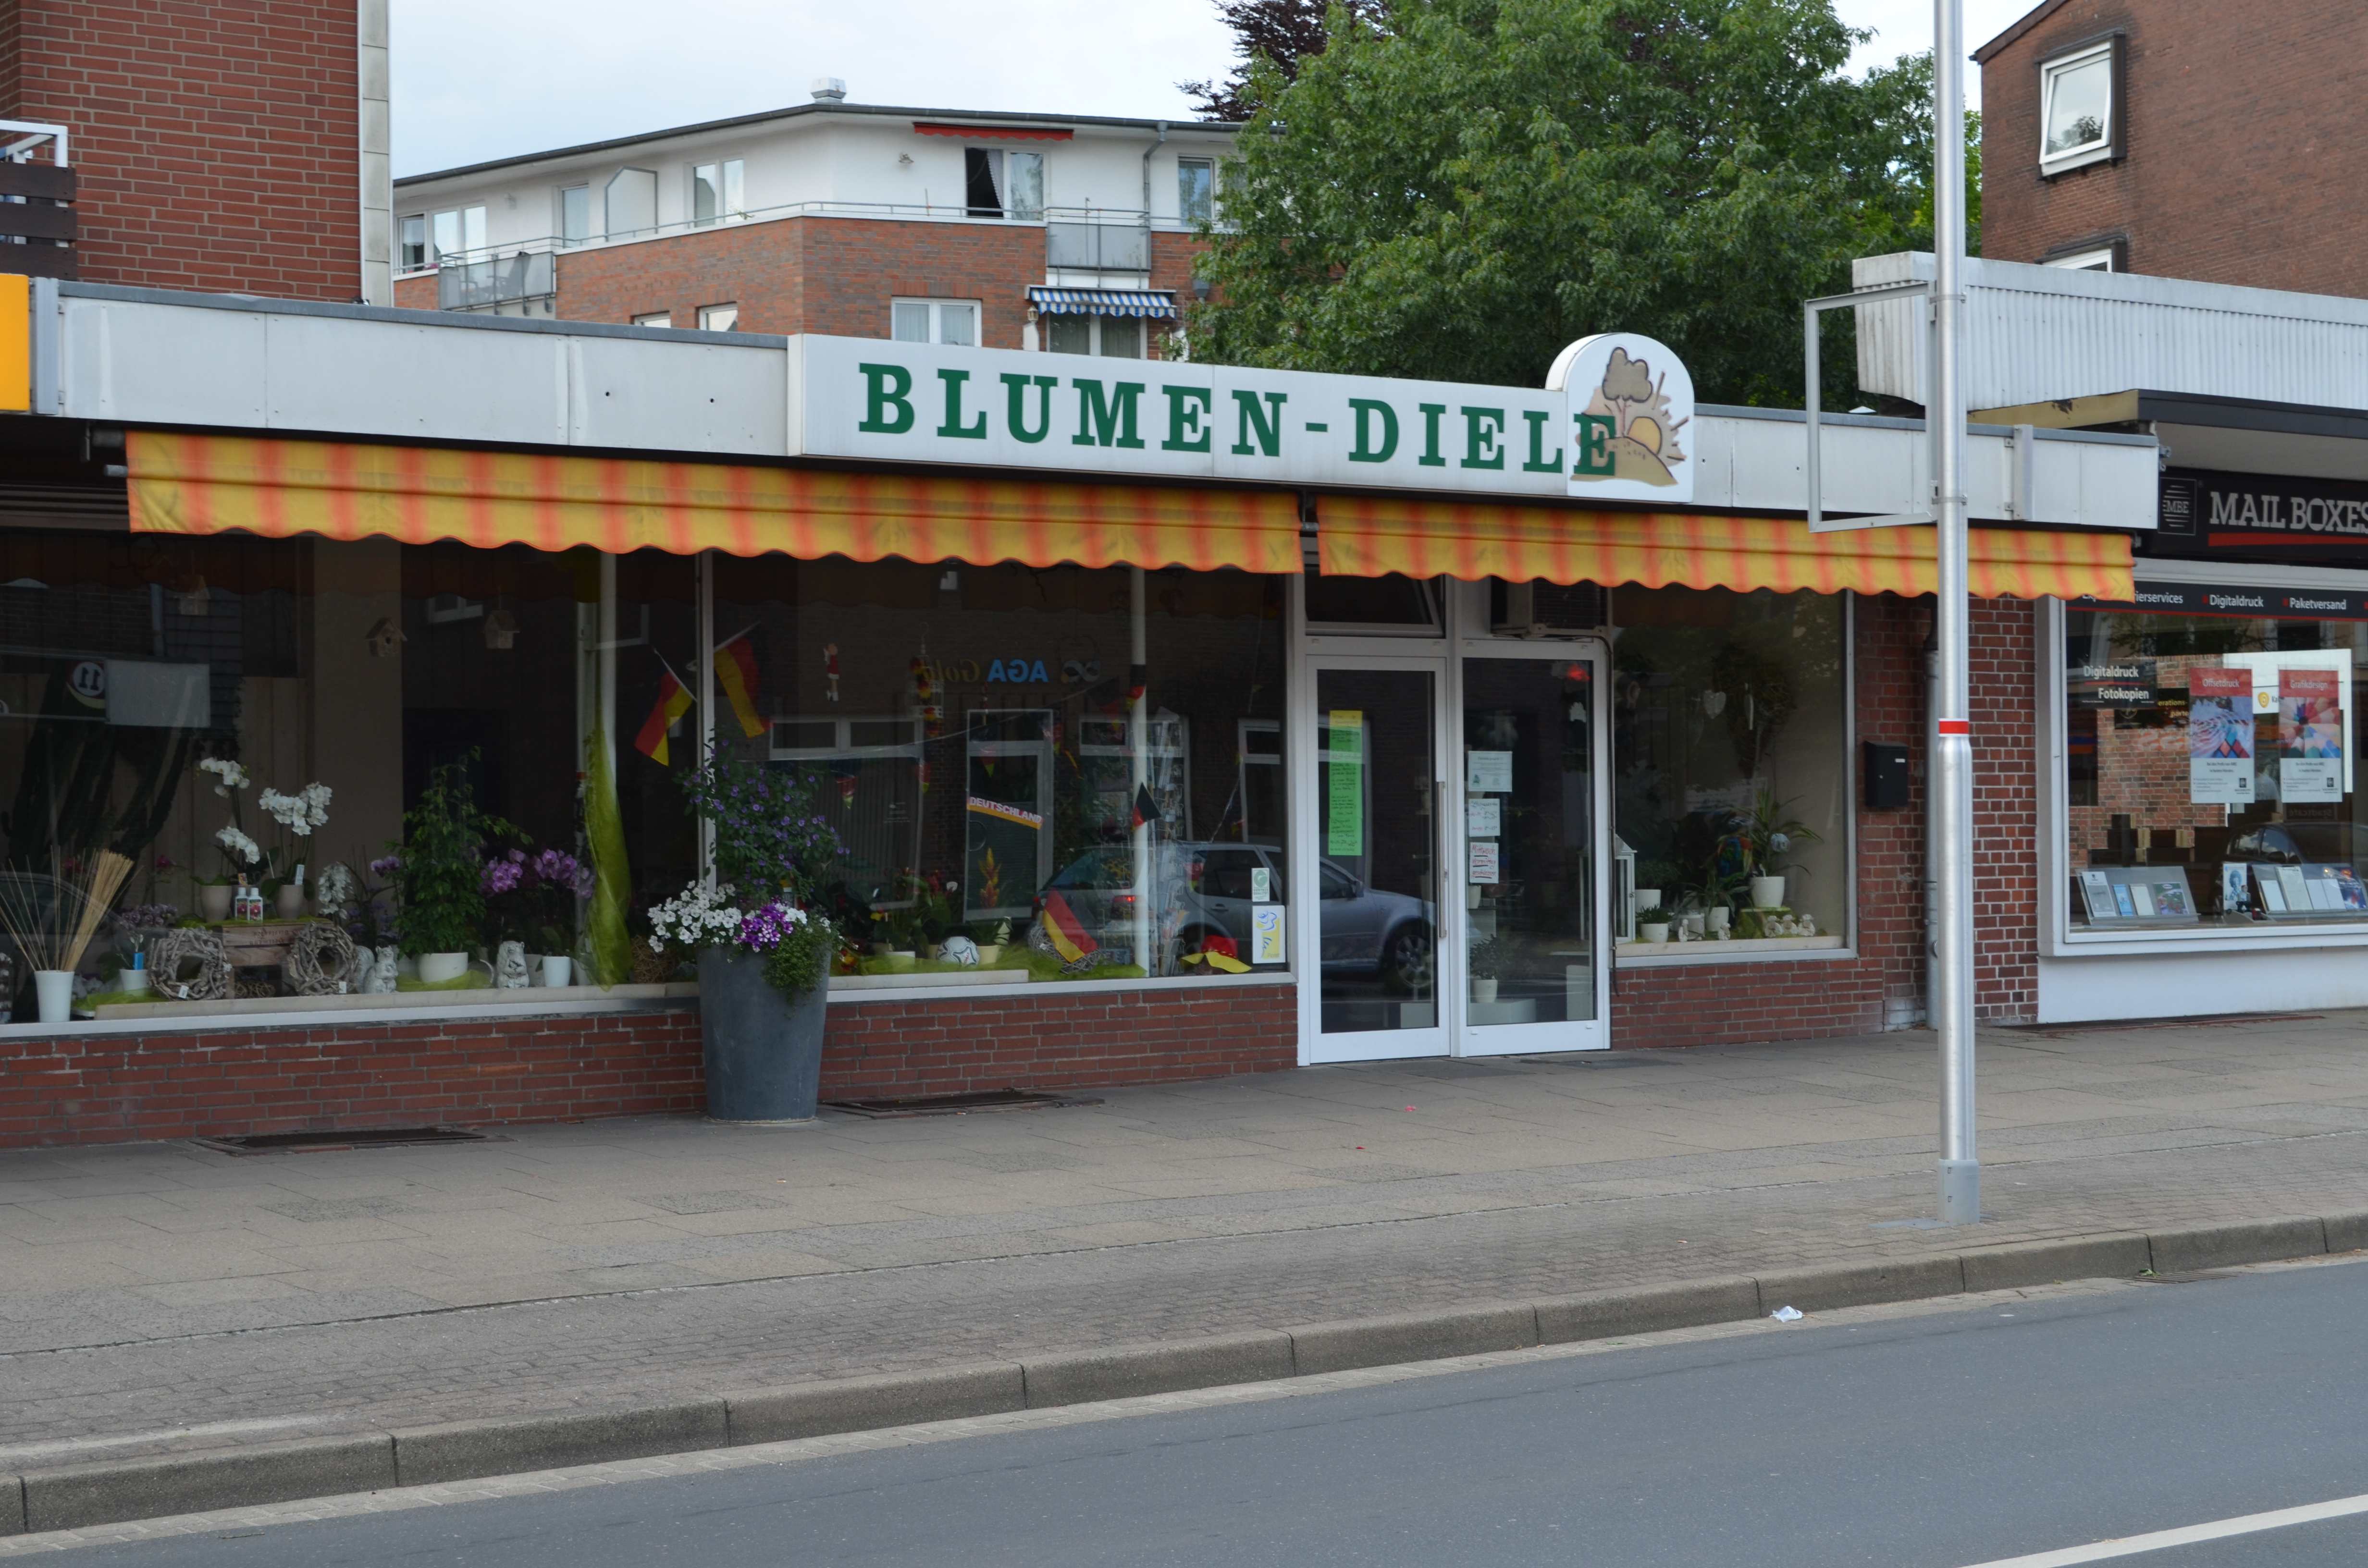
(1147, 809)
(1070, 938)
(674, 701)
(735, 672)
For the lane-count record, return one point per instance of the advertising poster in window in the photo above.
(1343, 758)
(2220, 736)
(2310, 736)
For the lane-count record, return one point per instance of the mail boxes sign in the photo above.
(1617, 427)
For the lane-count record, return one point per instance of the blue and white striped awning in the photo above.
(1157, 303)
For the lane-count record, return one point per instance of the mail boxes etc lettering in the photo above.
(1613, 423)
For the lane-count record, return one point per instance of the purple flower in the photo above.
(387, 866)
(501, 875)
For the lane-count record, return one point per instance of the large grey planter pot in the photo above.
(764, 1049)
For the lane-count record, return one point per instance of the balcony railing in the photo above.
(36, 215)
(495, 280)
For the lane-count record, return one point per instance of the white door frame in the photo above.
(1507, 1039)
(1374, 1045)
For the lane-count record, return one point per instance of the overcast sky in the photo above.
(474, 80)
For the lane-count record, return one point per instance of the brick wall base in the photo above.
(103, 1088)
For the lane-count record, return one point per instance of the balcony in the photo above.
(37, 217)
(524, 282)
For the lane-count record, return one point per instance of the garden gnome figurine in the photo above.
(509, 967)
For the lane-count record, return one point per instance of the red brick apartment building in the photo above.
(833, 217)
(237, 147)
(2217, 143)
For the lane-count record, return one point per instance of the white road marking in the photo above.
(2219, 1529)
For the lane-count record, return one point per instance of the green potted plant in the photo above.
(1484, 963)
(439, 873)
(1761, 838)
(1653, 924)
(765, 950)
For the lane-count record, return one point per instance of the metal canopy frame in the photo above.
(1810, 311)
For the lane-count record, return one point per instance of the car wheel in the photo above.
(1407, 958)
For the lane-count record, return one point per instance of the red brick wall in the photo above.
(416, 293)
(100, 1088)
(2241, 124)
(1883, 985)
(218, 144)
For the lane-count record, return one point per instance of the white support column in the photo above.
(1950, 793)
(706, 695)
(1138, 747)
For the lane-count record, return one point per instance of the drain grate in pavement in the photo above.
(334, 1141)
(956, 1104)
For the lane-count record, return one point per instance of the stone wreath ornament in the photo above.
(172, 952)
(322, 961)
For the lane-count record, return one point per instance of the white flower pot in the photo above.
(1657, 932)
(1648, 898)
(1719, 918)
(1768, 893)
(1484, 989)
(214, 902)
(438, 969)
(131, 980)
(53, 988)
(557, 968)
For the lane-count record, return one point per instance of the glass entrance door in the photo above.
(1375, 862)
(1528, 857)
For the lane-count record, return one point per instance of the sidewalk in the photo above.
(162, 1297)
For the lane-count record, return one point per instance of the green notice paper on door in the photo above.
(1344, 830)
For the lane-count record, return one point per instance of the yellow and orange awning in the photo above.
(1365, 536)
(208, 485)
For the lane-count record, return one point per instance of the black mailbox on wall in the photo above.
(1886, 776)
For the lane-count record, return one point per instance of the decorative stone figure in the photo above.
(380, 982)
(509, 967)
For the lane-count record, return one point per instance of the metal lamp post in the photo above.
(1951, 791)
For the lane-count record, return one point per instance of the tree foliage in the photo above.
(1460, 191)
(1281, 33)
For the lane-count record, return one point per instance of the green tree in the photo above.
(1458, 193)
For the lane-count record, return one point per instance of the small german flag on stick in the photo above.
(674, 701)
(1070, 938)
(1147, 809)
(735, 672)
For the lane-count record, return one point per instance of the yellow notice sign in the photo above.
(16, 343)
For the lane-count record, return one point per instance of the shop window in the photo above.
(2209, 776)
(2081, 108)
(934, 320)
(1731, 770)
(974, 736)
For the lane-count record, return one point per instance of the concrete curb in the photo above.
(109, 1492)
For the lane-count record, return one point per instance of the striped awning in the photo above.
(208, 485)
(1366, 536)
(1157, 303)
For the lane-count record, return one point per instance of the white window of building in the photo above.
(2080, 115)
(715, 192)
(1115, 337)
(457, 231)
(632, 202)
(575, 213)
(1196, 189)
(719, 318)
(411, 254)
(2100, 259)
(934, 320)
(655, 318)
(996, 184)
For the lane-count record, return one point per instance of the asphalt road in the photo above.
(1932, 1441)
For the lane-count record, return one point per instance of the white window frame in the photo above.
(401, 263)
(2108, 144)
(1182, 214)
(730, 312)
(2058, 937)
(937, 308)
(731, 192)
(559, 213)
(655, 318)
(468, 227)
(1098, 325)
(2097, 258)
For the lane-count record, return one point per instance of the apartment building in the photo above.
(1067, 232)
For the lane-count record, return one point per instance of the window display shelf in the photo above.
(1712, 951)
(562, 998)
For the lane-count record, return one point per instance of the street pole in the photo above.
(1951, 795)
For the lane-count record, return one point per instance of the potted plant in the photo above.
(531, 899)
(1653, 924)
(1760, 837)
(439, 878)
(297, 815)
(765, 952)
(239, 852)
(1484, 964)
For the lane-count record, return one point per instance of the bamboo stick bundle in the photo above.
(34, 913)
(99, 882)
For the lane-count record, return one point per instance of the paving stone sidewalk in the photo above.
(158, 1297)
